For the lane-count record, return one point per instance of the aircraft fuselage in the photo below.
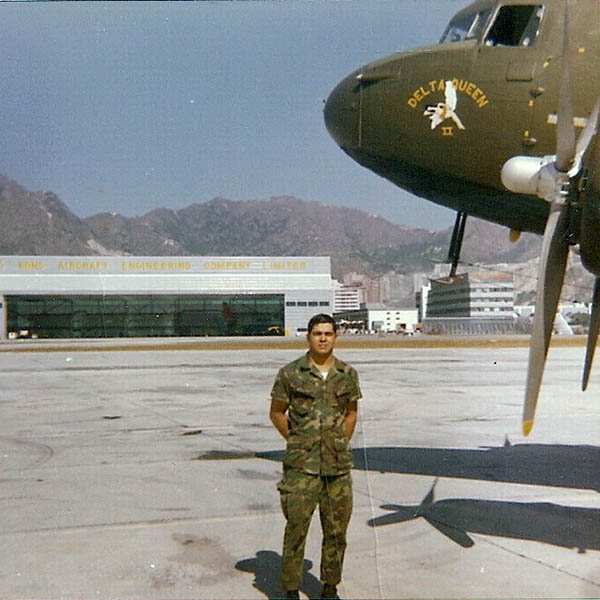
(441, 121)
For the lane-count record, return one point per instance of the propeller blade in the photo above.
(565, 129)
(591, 127)
(592, 335)
(553, 264)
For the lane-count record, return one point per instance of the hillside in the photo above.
(39, 223)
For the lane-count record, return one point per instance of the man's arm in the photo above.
(350, 422)
(278, 417)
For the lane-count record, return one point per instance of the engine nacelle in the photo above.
(534, 175)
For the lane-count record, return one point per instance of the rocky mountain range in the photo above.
(39, 223)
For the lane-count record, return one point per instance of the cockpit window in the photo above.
(516, 25)
(466, 27)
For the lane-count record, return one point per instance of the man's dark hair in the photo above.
(321, 318)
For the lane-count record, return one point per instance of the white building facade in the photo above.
(346, 297)
(125, 296)
(378, 319)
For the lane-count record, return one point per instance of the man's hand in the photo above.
(278, 416)
(350, 422)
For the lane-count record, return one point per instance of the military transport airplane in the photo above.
(498, 121)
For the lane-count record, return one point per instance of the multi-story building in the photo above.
(371, 287)
(472, 302)
(346, 297)
(422, 298)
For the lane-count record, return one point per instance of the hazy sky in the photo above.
(130, 106)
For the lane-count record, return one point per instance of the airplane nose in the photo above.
(342, 113)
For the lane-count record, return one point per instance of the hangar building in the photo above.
(126, 296)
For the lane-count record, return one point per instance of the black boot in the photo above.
(329, 591)
(292, 595)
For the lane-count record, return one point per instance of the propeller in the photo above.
(553, 264)
(592, 335)
(550, 178)
(590, 252)
(555, 247)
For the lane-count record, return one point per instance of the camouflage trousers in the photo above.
(300, 494)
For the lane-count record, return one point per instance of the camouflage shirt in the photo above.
(317, 441)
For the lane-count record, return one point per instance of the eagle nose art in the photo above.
(342, 113)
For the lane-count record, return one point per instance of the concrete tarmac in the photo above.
(151, 473)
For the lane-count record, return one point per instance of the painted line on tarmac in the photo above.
(358, 342)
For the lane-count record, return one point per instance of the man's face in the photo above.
(321, 339)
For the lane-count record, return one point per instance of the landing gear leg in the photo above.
(456, 242)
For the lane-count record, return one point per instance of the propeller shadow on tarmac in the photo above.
(534, 464)
(545, 522)
(266, 566)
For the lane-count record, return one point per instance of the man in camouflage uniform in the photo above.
(314, 407)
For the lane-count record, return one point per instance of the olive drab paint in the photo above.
(317, 441)
(394, 116)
